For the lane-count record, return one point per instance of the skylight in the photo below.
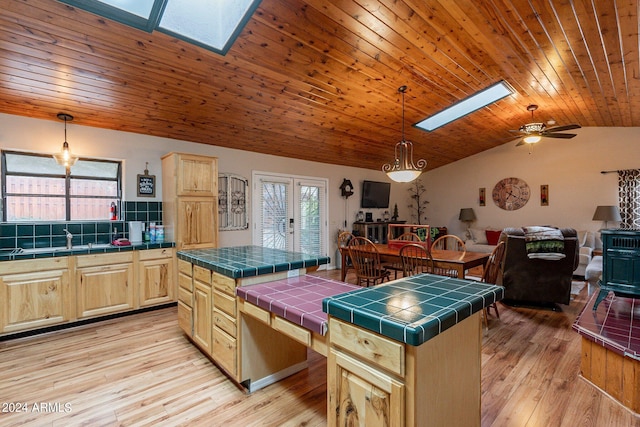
(211, 24)
(468, 105)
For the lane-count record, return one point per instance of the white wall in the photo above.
(44, 136)
(571, 168)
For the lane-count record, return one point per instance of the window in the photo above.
(36, 188)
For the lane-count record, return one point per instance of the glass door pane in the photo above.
(274, 219)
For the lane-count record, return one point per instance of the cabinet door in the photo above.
(197, 176)
(198, 225)
(202, 315)
(360, 395)
(156, 281)
(105, 289)
(34, 300)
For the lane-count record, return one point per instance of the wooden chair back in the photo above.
(449, 242)
(416, 259)
(366, 261)
(494, 264)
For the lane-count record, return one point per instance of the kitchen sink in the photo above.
(62, 248)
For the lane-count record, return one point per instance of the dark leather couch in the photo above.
(537, 280)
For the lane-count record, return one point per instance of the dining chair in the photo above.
(490, 275)
(448, 242)
(415, 259)
(343, 242)
(397, 266)
(366, 261)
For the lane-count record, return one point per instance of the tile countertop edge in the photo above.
(424, 327)
(272, 261)
(10, 256)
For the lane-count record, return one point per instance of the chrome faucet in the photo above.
(69, 238)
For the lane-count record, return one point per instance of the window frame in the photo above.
(67, 176)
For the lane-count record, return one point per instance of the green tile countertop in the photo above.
(414, 309)
(247, 261)
(15, 254)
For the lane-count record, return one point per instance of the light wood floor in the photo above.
(140, 370)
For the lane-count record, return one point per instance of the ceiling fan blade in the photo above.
(558, 135)
(519, 143)
(561, 128)
(516, 131)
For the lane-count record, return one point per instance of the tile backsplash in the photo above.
(51, 234)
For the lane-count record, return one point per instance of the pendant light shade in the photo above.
(403, 169)
(64, 157)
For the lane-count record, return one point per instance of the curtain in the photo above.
(629, 197)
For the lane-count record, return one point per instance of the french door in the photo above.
(290, 213)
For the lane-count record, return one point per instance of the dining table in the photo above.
(460, 261)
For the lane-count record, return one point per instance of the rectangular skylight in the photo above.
(468, 105)
(211, 24)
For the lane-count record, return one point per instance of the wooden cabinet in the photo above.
(196, 175)
(224, 349)
(105, 283)
(190, 202)
(373, 380)
(366, 396)
(202, 308)
(185, 297)
(156, 280)
(196, 227)
(35, 294)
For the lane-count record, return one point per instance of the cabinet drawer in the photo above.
(225, 303)
(185, 296)
(254, 311)
(292, 330)
(224, 284)
(104, 259)
(224, 350)
(224, 322)
(155, 254)
(185, 318)
(379, 350)
(185, 282)
(202, 274)
(185, 267)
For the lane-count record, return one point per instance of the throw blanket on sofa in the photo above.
(544, 243)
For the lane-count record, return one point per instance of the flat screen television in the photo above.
(375, 194)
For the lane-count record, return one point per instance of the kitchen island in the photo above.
(208, 311)
(402, 353)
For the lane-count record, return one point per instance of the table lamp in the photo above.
(467, 215)
(606, 214)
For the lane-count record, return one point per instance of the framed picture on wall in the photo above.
(146, 185)
(544, 195)
(482, 196)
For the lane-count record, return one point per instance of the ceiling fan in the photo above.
(533, 132)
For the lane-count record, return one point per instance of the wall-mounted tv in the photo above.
(375, 194)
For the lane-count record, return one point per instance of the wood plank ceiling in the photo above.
(318, 79)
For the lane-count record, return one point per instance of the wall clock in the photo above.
(511, 193)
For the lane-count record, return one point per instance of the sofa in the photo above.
(588, 241)
(537, 280)
(481, 239)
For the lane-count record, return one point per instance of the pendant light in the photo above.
(64, 157)
(403, 169)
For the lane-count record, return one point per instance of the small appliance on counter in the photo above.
(135, 232)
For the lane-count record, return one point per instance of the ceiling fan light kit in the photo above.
(534, 131)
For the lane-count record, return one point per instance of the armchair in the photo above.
(537, 280)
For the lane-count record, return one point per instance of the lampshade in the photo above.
(607, 213)
(532, 139)
(64, 157)
(467, 214)
(403, 169)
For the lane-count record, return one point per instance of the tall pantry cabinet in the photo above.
(190, 200)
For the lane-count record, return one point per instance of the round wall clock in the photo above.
(511, 193)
